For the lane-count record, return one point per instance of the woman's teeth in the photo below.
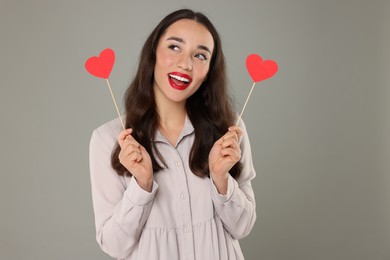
(179, 78)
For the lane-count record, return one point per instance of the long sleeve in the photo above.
(237, 209)
(120, 212)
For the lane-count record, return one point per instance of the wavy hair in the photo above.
(209, 108)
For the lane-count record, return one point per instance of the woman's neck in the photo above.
(171, 119)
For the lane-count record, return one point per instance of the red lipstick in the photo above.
(179, 80)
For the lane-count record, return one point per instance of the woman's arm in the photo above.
(120, 212)
(237, 208)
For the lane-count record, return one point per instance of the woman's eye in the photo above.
(201, 56)
(174, 47)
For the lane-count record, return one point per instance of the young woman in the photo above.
(176, 184)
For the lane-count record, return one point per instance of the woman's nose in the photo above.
(185, 63)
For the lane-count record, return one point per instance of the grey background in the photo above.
(319, 128)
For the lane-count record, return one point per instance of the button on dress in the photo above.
(183, 217)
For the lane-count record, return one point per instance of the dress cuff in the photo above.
(230, 190)
(138, 196)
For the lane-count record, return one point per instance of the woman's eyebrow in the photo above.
(178, 39)
(202, 47)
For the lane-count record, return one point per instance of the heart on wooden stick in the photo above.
(101, 67)
(259, 70)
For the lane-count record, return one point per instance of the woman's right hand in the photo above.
(136, 159)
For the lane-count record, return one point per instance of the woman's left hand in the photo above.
(225, 153)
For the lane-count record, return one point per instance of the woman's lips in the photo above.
(178, 80)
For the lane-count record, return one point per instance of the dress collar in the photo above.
(187, 130)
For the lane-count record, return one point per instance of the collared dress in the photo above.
(183, 217)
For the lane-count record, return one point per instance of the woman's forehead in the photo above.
(191, 32)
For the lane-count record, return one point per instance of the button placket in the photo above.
(185, 207)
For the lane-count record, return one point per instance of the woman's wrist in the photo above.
(145, 183)
(220, 182)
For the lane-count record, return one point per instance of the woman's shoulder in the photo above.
(108, 132)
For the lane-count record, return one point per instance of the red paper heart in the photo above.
(101, 66)
(260, 70)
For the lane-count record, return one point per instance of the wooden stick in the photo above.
(116, 106)
(246, 102)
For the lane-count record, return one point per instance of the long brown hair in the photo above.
(209, 108)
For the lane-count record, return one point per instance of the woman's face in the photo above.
(182, 60)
